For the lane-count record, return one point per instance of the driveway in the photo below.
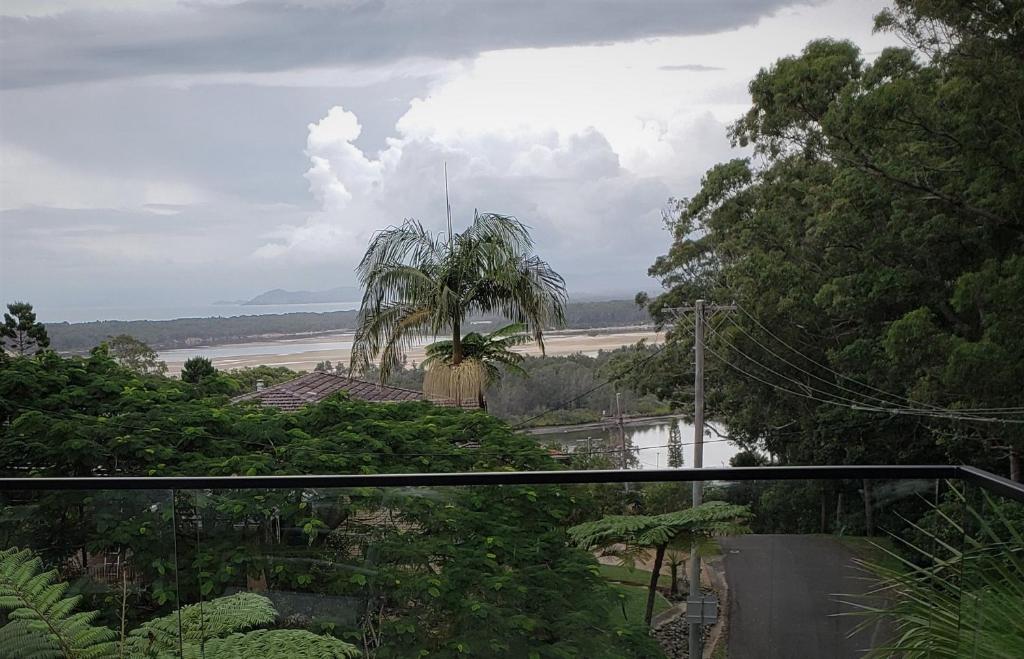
(781, 598)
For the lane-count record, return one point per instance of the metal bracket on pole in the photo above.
(702, 610)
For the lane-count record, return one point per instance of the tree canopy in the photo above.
(21, 334)
(874, 249)
(419, 285)
(399, 571)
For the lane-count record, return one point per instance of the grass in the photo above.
(635, 604)
(635, 576)
(871, 550)
(711, 549)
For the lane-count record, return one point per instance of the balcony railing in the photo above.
(482, 564)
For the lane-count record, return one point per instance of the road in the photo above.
(782, 596)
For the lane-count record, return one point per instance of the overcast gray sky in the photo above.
(164, 152)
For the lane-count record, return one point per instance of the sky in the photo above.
(171, 152)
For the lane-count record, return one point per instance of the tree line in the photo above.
(184, 332)
(874, 248)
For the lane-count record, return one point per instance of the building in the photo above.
(314, 387)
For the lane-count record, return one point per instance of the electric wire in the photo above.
(854, 406)
(827, 368)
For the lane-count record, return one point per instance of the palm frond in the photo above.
(486, 268)
(952, 602)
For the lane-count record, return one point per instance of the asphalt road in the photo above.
(782, 596)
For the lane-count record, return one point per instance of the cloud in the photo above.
(690, 67)
(30, 179)
(93, 42)
(583, 206)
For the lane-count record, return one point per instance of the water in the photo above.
(89, 314)
(279, 347)
(648, 441)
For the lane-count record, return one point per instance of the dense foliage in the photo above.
(580, 388)
(20, 333)
(874, 248)
(396, 571)
(135, 355)
(248, 377)
(957, 599)
(43, 624)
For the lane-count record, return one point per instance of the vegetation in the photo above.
(581, 387)
(43, 624)
(187, 332)
(873, 247)
(675, 447)
(20, 333)
(135, 355)
(488, 356)
(953, 600)
(196, 369)
(419, 285)
(487, 570)
(269, 375)
(627, 536)
(634, 603)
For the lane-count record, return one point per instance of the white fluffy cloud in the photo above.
(583, 205)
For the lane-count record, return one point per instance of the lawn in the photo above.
(635, 603)
(636, 576)
(873, 550)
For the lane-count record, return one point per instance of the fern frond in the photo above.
(709, 519)
(41, 622)
(200, 622)
(273, 644)
(19, 641)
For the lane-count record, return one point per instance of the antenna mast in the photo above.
(447, 202)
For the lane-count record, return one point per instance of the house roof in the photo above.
(314, 387)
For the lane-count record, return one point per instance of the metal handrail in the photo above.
(998, 484)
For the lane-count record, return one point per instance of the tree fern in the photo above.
(272, 644)
(638, 533)
(41, 623)
(199, 622)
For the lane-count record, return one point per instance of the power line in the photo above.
(825, 367)
(854, 406)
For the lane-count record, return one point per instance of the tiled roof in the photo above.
(314, 387)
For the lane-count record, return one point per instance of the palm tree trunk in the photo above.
(456, 342)
(652, 590)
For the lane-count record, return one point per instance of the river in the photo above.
(648, 441)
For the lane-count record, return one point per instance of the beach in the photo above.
(304, 353)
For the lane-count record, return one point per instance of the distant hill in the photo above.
(281, 296)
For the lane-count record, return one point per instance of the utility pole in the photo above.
(697, 629)
(622, 431)
(694, 598)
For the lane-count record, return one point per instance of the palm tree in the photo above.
(641, 533)
(419, 285)
(483, 355)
